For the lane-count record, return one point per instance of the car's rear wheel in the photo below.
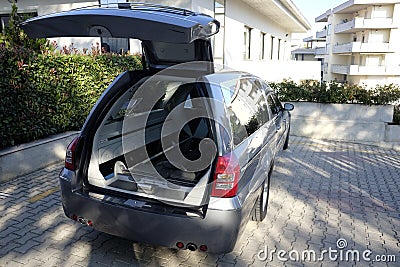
(260, 208)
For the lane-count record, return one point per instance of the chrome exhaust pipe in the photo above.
(191, 247)
(82, 221)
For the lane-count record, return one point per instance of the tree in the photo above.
(14, 36)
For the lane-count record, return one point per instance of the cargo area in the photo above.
(128, 155)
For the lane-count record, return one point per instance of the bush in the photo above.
(334, 92)
(43, 94)
(44, 91)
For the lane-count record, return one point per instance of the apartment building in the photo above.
(362, 42)
(310, 50)
(307, 50)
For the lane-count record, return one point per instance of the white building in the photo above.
(309, 50)
(255, 35)
(362, 42)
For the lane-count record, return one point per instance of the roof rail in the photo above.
(154, 7)
(141, 6)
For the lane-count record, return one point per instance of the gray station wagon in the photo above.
(175, 154)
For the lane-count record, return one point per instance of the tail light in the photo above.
(226, 177)
(180, 245)
(203, 248)
(70, 155)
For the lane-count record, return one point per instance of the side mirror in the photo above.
(288, 106)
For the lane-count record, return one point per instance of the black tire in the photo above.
(286, 144)
(260, 208)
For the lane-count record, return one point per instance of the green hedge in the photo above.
(43, 94)
(334, 92)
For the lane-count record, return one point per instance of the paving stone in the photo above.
(8, 239)
(27, 246)
(23, 239)
(9, 230)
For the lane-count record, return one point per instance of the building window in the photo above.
(262, 45)
(5, 18)
(3, 22)
(279, 48)
(272, 48)
(284, 50)
(219, 39)
(115, 45)
(247, 42)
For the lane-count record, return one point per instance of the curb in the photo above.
(18, 160)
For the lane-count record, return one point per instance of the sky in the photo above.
(313, 8)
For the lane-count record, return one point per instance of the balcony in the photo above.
(320, 51)
(359, 24)
(321, 34)
(358, 47)
(365, 70)
(324, 17)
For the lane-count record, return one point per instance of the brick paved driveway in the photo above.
(320, 192)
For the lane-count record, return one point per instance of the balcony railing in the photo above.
(320, 51)
(365, 70)
(359, 47)
(357, 24)
(321, 34)
(340, 69)
(345, 26)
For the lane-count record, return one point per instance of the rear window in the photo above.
(174, 52)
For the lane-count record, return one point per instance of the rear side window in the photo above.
(247, 108)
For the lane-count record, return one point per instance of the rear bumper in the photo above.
(218, 230)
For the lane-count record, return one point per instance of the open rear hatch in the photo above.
(128, 20)
(156, 26)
